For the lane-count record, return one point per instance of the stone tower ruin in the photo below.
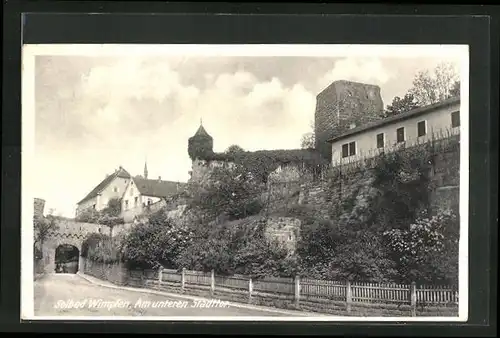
(343, 105)
(39, 206)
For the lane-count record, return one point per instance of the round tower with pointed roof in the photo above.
(200, 144)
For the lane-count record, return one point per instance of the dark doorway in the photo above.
(66, 259)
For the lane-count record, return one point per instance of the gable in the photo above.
(122, 173)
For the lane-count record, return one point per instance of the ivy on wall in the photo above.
(368, 202)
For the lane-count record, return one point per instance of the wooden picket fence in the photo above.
(299, 289)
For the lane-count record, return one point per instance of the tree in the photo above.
(455, 90)
(234, 149)
(308, 140)
(401, 105)
(156, 242)
(42, 228)
(429, 88)
(110, 216)
(113, 208)
(232, 191)
(89, 215)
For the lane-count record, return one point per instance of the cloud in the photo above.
(369, 70)
(132, 78)
(119, 112)
(94, 114)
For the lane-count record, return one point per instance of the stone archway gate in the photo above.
(69, 232)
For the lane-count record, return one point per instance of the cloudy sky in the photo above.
(95, 113)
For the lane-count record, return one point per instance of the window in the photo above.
(348, 149)
(93, 206)
(380, 140)
(352, 148)
(400, 134)
(150, 201)
(126, 204)
(115, 189)
(136, 199)
(455, 119)
(421, 128)
(345, 150)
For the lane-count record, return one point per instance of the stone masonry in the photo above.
(339, 106)
(39, 206)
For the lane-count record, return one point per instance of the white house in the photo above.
(113, 186)
(411, 127)
(142, 192)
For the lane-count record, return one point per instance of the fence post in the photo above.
(297, 290)
(183, 279)
(160, 277)
(212, 282)
(250, 289)
(413, 299)
(348, 296)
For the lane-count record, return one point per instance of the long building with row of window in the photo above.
(419, 125)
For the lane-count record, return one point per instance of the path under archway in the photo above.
(66, 258)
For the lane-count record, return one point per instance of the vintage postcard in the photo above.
(245, 182)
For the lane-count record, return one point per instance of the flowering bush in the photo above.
(428, 250)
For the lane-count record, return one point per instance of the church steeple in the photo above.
(145, 169)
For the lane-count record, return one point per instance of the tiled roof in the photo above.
(396, 118)
(157, 188)
(122, 173)
(201, 132)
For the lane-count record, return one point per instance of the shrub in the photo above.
(427, 252)
(259, 258)
(91, 242)
(156, 242)
(102, 248)
(231, 191)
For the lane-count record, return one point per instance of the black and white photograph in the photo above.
(245, 182)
